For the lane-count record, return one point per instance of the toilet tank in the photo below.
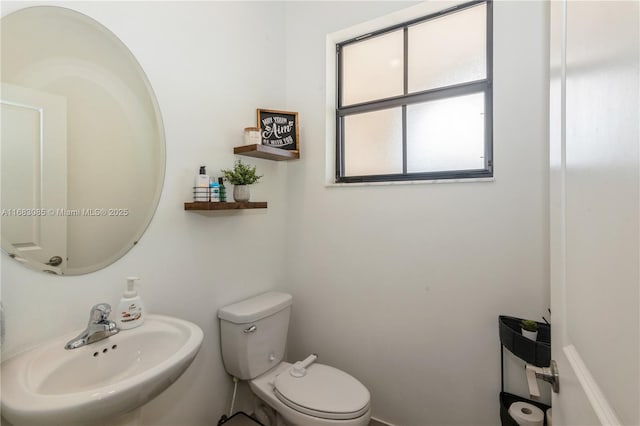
(253, 334)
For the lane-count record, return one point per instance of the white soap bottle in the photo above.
(201, 187)
(130, 309)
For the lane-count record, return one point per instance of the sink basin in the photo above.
(49, 385)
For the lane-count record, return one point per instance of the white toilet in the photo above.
(254, 335)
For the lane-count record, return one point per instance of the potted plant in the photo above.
(529, 329)
(241, 176)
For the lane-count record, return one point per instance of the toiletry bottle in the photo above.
(130, 309)
(201, 187)
(215, 191)
(223, 190)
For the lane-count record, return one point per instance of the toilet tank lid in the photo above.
(255, 308)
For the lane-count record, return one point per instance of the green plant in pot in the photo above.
(529, 329)
(241, 176)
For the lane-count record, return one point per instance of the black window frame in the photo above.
(472, 87)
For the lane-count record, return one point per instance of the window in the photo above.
(414, 101)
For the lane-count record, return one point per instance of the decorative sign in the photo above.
(279, 129)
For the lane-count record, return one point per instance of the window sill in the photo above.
(411, 182)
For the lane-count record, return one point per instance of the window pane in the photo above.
(372, 69)
(448, 50)
(446, 134)
(373, 143)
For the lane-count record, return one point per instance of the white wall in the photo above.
(402, 285)
(203, 61)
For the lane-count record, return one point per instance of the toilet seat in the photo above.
(324, 392)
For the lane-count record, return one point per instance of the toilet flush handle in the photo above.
(250, 329)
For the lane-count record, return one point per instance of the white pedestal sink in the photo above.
(94, 384)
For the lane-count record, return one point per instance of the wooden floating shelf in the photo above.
(204, 206)
(267, 152)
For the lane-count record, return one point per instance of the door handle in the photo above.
(548, 374)
(552, 376)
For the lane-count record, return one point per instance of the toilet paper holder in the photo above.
(548, 374)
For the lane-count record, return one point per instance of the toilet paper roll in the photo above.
(526, 414)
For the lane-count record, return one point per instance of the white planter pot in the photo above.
(533, 335)
(241, 193)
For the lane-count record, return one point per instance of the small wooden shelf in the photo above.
(203, 206)
(267, 152)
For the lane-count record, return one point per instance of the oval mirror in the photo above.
(82, 142)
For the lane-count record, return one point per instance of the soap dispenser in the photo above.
(130, 309)
(201, 187)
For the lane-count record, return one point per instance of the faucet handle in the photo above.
(99, 313)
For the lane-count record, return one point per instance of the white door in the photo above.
(34, 175)
(595, 211)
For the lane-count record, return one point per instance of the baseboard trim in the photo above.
(378, 422)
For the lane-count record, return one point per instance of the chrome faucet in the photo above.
(99, 327)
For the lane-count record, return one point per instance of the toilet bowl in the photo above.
(253, 335)
(325, 396)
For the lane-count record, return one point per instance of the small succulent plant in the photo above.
(529, 325)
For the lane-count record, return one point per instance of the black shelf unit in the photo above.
(537, 353)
